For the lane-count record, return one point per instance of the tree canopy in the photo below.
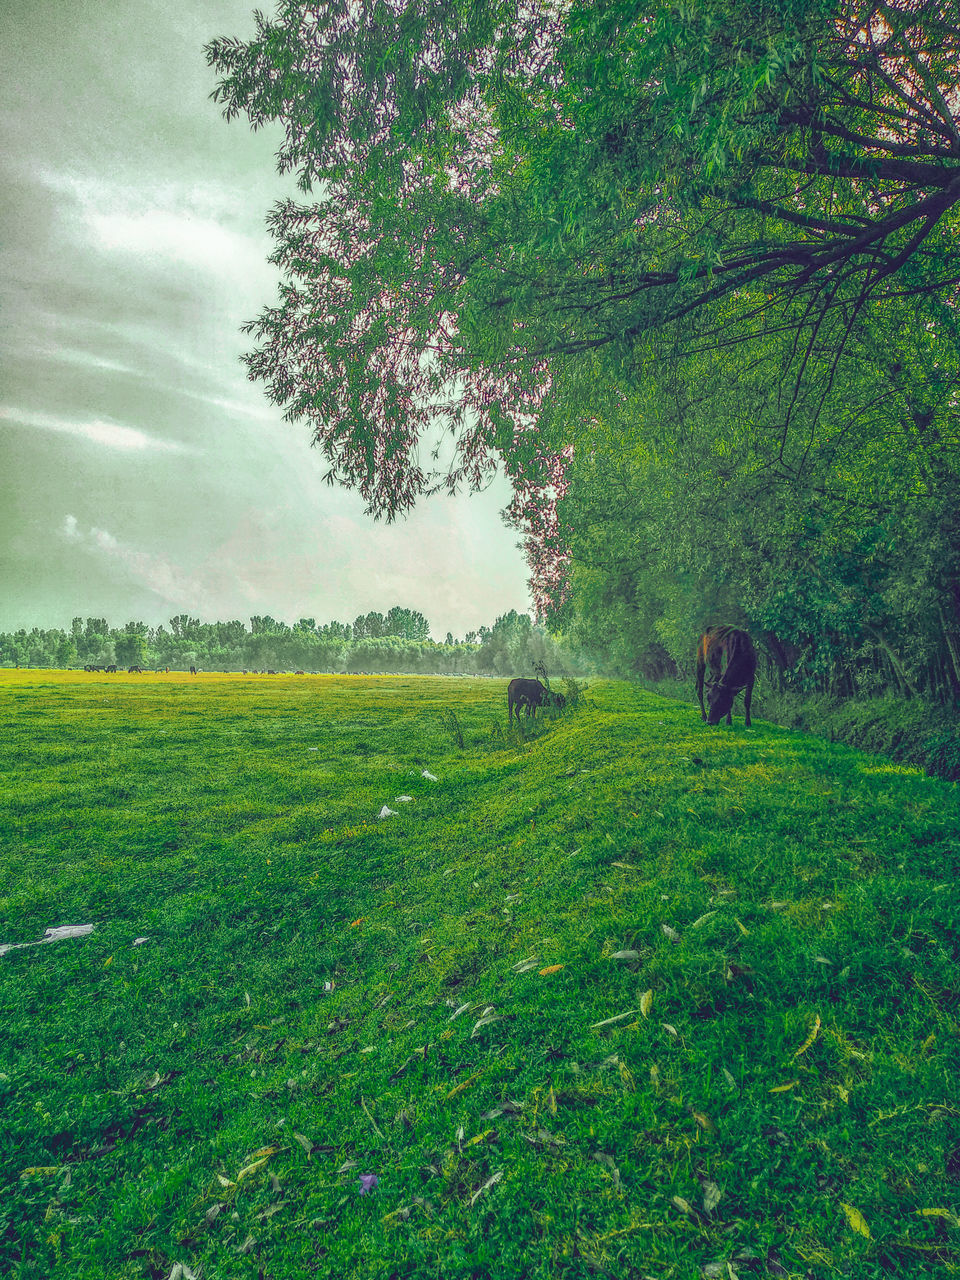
(496, 188)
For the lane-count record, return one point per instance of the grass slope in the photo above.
(766, 924)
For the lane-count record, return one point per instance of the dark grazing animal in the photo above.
(530, 694)
(740, 672)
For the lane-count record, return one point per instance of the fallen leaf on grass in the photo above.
(784, 1088)
(551, 968)
(486, 1187)
(480, 1137)
(255, 1167)
(304, 1141)
(946, 1214)
(39, 1169)
(608, 1022)
(703, 920)
(624, 955)
(711, 1195)
(429, 776)
(814, 1032)
(485, 1022)
(667, 932)
(646, 1001)
(464, 1084)
(704, 1121)
(385, 812)
(856, 1219)
(543, 1138)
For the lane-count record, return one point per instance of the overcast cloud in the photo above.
(142, 474)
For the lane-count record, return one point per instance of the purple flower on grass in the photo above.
(367, 1182)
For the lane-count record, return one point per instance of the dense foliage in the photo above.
(397, 641)
(688, 272)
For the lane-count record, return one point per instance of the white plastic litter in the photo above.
(387, 813)
(427, 774)
(51, 935)
(402, 799)
(138, 942)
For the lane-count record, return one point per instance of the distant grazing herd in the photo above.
(728, 652)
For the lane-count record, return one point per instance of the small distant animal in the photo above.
(740, 672)
(299, 673)
(530, 694)
(111, 670)
(131, 670)
(193, 671)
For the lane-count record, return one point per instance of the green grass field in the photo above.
(624, 996)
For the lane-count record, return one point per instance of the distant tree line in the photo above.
(396, 641)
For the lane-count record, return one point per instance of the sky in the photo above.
(141, 474)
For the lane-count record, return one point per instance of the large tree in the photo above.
(494, 189)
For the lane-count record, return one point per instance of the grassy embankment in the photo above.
(767, 925)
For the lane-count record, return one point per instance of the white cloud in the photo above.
(69, 356)
(111, 434)
(178, 234)
(190, 224)
(174, 585)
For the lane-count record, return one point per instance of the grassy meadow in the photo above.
(617, 996)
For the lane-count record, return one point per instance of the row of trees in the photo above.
(690, 274)
(513, 645)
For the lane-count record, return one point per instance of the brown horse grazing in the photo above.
(740, 672)
(530, 694)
